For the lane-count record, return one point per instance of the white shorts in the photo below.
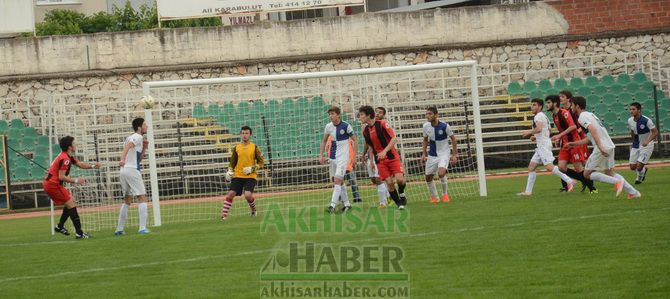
(131, 182)
(372, 172)
(543, 156)
(338, 168)
(599, 162)
(435, 163)
(641, 154)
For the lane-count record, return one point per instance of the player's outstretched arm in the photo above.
(64, 178)
(85, 165)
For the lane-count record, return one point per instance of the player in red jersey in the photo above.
(53, 185)
(568, 132)
(565, 97)
(380, 140)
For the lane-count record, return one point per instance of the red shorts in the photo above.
(572, 155)
(57, 193)
(388, 168)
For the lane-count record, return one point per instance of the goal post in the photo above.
(374, 85)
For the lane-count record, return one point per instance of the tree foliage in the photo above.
(126, 18)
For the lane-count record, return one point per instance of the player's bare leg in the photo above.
(251, 200)
(442, 173)
(227, 203)
(123, 215)
(431, 188)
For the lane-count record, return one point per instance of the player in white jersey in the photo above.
(436, 153)
(602, 157)
(340, 132)
(644, 132)
(130, 177)
(543, 154)
(371, 166)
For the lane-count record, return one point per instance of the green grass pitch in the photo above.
(550, 245)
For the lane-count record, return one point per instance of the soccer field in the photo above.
(550, 245)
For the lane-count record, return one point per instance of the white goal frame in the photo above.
(147, 87)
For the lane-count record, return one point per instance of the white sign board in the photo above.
(16, 16)
(180, 9)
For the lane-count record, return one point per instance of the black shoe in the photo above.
(61, 230)
(583, 187)
(84, 236)
(346, 208)
(331, 210)
(564, 190)
(358, 200)
(638, 182)
(403, 199)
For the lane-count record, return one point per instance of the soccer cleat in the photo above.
(254, 213)
(401, 207)
(563, 190)
(403, 198)
(358, 200)
(583, 187)
(331, 209)
(594, 191)
(638, 181)
(119, 233)
(434, 200)
(346, 208)
(571, 186)
(382, 206)
(524, 194)
(634, 196)
(61, 230)
(644, 174)
(619, 187)
(445, 197)
(144, 232)
(83, 236)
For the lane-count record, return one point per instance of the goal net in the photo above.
(195, 124)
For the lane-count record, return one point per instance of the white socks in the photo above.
(626, 186)
(563, 176)
(383, 193)
(345, 196)
(143, 215)
(432, 189)
(531, 181)
(444, 185)
(601, 177)
(336, 195)
(123, 215)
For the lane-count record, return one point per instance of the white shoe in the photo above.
(524, 194)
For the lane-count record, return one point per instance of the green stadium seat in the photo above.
(600, 109)
(552, 91)
(29, 143)
(228, 109)
(665, 124)
(632, 87)
(610, 118)
(243, 109)
(619, 128)
(258, 107)
(2, 179)
(560, 84)
(594, 100)
(592, 81)
(607, 81)
(199, 111)
(514, 88)
(213, 110)
(639, 77)
(625, 98)
(288, 107)
(647, 86)
(15, 143)
(302, 103)
(624, 115)
(21, 173)
(17, 124)
(3, 126)
(42, 141)
(29, 132)
(643, 96)
(537, 94)
(37, 173)
(55, 150)
(544, 85)
(576, 83)
(600, 90)
(584, 91)
(623, 79)
(529, 86)
(617, 88)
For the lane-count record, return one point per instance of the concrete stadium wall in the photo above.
(277, 40)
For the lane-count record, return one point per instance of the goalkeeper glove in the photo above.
(249, 169)
(229, 175)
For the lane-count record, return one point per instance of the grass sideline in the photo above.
(549, 245)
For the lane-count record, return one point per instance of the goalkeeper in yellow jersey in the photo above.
(246, 159)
